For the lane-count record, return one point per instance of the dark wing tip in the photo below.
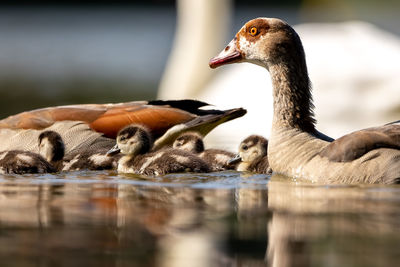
(189, 105)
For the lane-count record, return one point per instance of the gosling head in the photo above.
(253, 148)
(51, 146)
(189, 141)
(133, 140)
(261, 41)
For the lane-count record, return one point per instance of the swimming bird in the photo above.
(48, 160)
(217, 158)
(348, 89)
(51, 147)
(296, 148)
(135, 142)
(94, 160)
(253, 155)
(88, 128)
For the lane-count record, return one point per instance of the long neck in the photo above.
(293, 107)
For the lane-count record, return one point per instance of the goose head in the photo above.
(133, 140)
(251, 149)
(189, 141)
(261, 41)
(51, 146)
(274, 45)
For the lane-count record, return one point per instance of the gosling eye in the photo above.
(244, 147)
(253, 31)
(122, 138)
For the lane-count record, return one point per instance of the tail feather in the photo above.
(202, 125)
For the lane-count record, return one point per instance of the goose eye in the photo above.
(253, 31)
(122, 138)
(244, 147)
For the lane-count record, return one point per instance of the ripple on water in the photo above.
(90, 218)
(216, 180)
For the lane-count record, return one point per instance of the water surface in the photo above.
(217, 219)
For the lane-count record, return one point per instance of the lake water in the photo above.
(216, 219)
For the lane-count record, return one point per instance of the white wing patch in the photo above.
(181, 159)
(3, 154)
(222, 158)
(99, 159)
(25, 158)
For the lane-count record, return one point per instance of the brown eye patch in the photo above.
(256, 28)
(253, 31)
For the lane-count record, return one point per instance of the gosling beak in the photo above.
(235, 159)
(230, 54)
(113, 151)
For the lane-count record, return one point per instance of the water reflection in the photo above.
(218, 219)
(333, 225)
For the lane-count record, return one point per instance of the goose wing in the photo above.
(108, 119)
(352, 146)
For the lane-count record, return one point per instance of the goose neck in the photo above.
(293, 107)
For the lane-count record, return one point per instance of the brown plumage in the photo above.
(51, 147)
(253, 155)
(94, 126)
(217, 158)
(135, 142)
(296, 148)
(49, 159)
(22, 162)
(94, 160)
(353, 145)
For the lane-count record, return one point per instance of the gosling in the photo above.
(91, 160)
(193, 142)
(51, 147)
(48, 160)
(253, 155)
(135, 142)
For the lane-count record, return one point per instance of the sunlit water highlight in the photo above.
(217, 219)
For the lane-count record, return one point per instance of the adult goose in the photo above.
(349, 43)
(295, 147)
(93, 127)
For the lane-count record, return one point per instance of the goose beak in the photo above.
(231, 54)
(235, 159)
(113, 151)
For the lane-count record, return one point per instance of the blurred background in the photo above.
(97, 52)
